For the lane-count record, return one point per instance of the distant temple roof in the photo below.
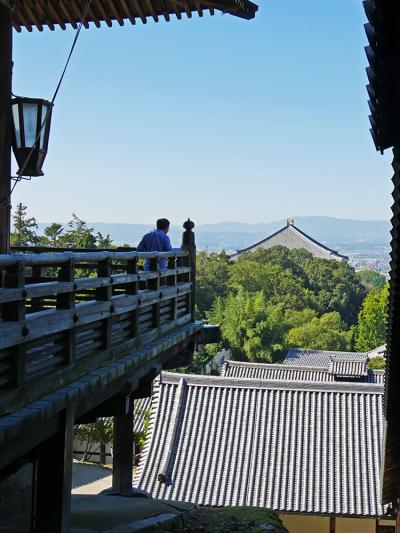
(292, 237)
(301, 447)
(332, 369)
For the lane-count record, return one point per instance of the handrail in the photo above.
(66, 313)
(57, 258)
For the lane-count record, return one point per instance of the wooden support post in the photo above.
(154, 285)
(36, 303)
(188, 243)
(105, 294)
(172, 281)
(53, 479)
(5, 126)
(123, 450)
(133, 289)
(67, 301)
(14, 277)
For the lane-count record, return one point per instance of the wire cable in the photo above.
(44, 122)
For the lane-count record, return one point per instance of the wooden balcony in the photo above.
(83, 333)
(65, 314)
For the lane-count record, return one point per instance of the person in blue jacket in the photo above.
(156, 241)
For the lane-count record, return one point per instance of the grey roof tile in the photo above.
(305, 447)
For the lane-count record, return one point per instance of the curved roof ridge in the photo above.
(301, 234)
(275, 366)
(252, 383)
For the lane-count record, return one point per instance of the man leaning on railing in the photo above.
(157, 241)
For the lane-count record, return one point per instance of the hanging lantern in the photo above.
(31, 130)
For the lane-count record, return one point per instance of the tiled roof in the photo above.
(345, 365)
(321, 358)
(292, 237)
(303, 447)
(239, 369)
(140, 407)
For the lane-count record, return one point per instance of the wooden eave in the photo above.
(38, 14)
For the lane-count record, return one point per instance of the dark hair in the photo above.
(162, 223)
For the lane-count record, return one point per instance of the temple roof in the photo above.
(303, 447)
(292, 237)
(31, 14)
(347, 368)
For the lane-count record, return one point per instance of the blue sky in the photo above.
(215, 118)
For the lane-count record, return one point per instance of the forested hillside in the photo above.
(274, 299)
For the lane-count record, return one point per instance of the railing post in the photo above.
(133, 289)
(188, 243)
(104, 270)
(67, 301)
(154, 285)
(15, 311)
(172, 281)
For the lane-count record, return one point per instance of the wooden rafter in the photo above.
(64, 10)
(114, 11)
(100, 8)
(128, 11)
(51, 13)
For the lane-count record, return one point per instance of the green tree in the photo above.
(52, 234)
(24, 228)
(103, 241)
(372, 320)
(371, 279)
(250, 327)
(212, 272)
(95, 436)
(325, 333)
(79, 235)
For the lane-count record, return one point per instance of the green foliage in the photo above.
(52, 234)
(140, 436)
(377, 363)
(372, 320)
(324, 333)
(250, 326)
(79, 235)
(94, 435)
(24, 228)
(371, 279)
(212, 271)
(296, 280)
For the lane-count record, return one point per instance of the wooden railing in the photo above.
(63, 314)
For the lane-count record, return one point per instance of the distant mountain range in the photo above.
(337, 233)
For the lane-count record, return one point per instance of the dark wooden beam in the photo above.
(123, 450)
(5, 126)
(53, 479)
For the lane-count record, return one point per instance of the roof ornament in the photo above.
(290, 222)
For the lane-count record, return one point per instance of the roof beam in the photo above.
(114, 10)
(106, 18)
(128, 11)
(151, 9)
(79, 14)
(67, 14)
(32, 16)
(139, 9)
(44, 15)
(53, 10)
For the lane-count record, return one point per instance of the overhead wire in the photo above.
(49, 111)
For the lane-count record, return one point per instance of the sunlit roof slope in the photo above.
(303, 447)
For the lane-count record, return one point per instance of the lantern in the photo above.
(30, 138)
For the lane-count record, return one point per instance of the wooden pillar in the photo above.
(52, 483)
(5, 126)
(188, 243)
(123, 450)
